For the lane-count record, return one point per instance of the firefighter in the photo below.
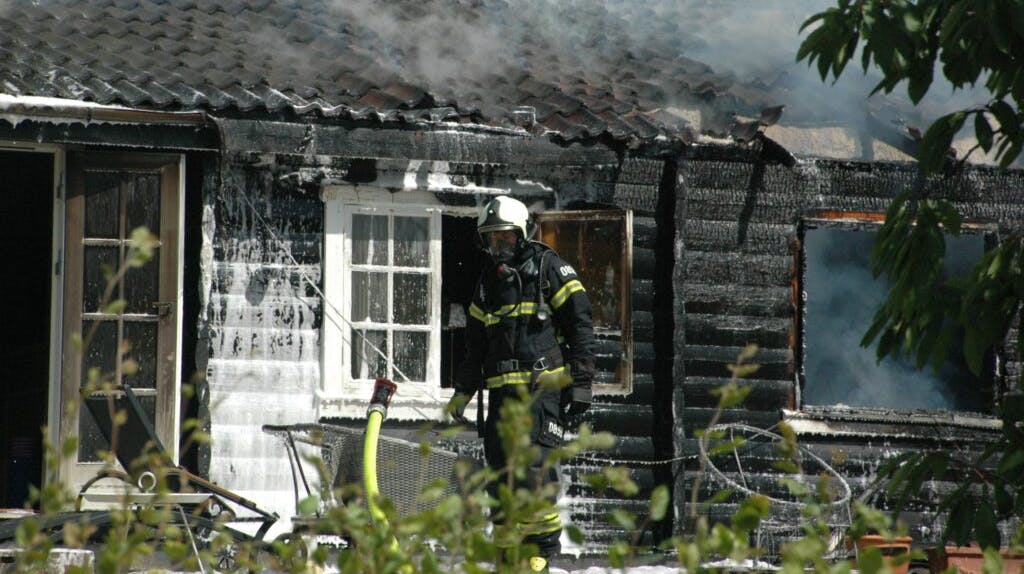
(530, 329)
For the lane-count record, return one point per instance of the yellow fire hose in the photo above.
(375, 418)
(383, 391)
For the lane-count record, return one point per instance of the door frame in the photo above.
(56, 283)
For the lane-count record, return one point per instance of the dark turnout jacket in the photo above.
(521, 324)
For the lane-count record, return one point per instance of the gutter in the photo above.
(16, 109)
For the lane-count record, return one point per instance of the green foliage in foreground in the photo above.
(972, 41)
(464, 532)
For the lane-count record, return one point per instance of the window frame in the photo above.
(345, 397)
(866, 420)
(624, 385)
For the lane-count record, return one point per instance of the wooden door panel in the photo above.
(109, 195)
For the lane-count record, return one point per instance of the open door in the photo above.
(28, 187)
(109, 195)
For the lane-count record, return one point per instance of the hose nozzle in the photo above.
(383, 391)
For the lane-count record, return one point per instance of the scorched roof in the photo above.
(407, 61)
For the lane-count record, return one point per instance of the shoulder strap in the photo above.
(544, 286)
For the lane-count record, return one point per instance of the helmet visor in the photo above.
(501, 244)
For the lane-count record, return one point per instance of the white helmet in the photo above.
(503, 212)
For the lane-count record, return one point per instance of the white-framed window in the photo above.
(382, 279)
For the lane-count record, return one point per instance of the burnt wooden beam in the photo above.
(140, 136)
(426, 143)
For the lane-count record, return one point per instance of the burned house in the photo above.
(312, 170)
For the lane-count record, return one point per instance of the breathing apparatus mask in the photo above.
(502, 226)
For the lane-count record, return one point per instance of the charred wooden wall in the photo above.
(262, 247)
(262, 319)
(633, 418)
(735, 283)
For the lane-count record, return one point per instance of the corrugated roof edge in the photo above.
(18, 108)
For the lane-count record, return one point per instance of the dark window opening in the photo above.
(841, 298)
(460, 266)
(26, 232)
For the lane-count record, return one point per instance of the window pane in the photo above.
(412, 298)
(142, 286)
(367, 362)
(411, 354)
(369, 297)
(101, 350)
(142, 204)
(369, 239)
(594, 247)
(411, 241)
(142, 337)
(102, 204)
(91, 438)
(98, 262)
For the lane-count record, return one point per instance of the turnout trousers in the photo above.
(542, 528)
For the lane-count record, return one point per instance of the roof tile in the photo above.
(563, 103)
(311, 55)
(377, 99)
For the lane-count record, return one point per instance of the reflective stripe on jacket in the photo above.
(506, 325)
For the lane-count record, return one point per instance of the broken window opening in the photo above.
(840, 298)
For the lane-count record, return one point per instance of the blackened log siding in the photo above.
(261, 257)
(632, 418)
(263, 319)
(734, 284)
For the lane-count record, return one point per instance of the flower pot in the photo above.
(969, 559)
(890, 549)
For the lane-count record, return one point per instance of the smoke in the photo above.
(842, 297)
(470, 47)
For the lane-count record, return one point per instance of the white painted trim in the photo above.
(341, 396)
(53, 408)
(179, 306)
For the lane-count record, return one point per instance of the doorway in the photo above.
(26, 241)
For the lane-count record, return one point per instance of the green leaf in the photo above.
(869, 560)
(1011, 463)
(814, 18)
(747, 353)
(912, 21)
(743, 371)
(974, 349)
(623, 519)
(983, 131)
(660, 499)
(993, 562)
(953, 20)
(729, 446)
(716, 498)
(938, 139)
(920, 81)
(750, 513)
(617, 554)
(1004, 500)
(575, 534)
(309, 505)
(960, 523)
(1006, 117)
(985, 525)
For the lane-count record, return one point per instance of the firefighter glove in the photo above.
(457, 407)
(575, 401)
